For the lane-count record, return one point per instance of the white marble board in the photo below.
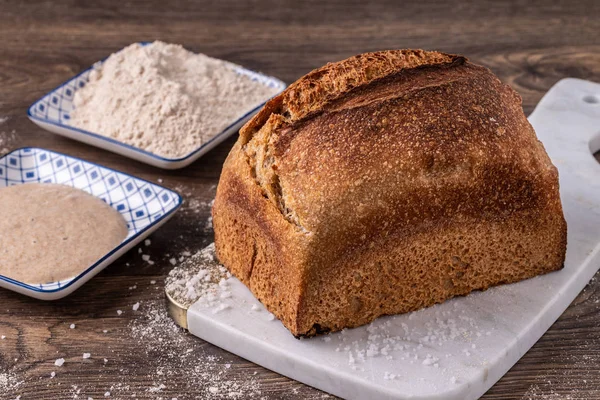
(458, 349)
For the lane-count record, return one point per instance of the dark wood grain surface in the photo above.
(529, 44)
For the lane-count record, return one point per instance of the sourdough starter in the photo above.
(52, 232)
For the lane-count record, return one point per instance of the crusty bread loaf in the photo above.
(382, 184)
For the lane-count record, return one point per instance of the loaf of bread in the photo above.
(384, 183)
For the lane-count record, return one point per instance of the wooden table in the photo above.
(529, 44)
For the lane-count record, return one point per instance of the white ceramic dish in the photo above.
(52, 112)
(144, 205)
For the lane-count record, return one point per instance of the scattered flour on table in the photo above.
(8, 382)
(175, 354)
(573, 378)
(8, 140)
(177, 365)
(194, 205)
(164, 98)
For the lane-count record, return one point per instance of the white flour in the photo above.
(8, 382)
(175, 354)
(199, 276)
(164, 99)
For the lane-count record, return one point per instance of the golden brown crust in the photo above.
(421, 147)
(326, 84)
(314, 90)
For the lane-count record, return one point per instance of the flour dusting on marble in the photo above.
(199, 278)
(426, 339)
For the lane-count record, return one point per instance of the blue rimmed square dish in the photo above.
(52, 112)
(144, 205)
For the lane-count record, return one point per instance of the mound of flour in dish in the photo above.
(164, 99)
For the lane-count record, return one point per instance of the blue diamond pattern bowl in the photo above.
(144, 205)
(52, 112)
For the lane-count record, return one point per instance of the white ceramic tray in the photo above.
(144, 206)
(52, 112)
(456, 350)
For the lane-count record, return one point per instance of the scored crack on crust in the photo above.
(323, 85)
(311, 94)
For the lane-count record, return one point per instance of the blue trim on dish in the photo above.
(280, 84)
(113, 251)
